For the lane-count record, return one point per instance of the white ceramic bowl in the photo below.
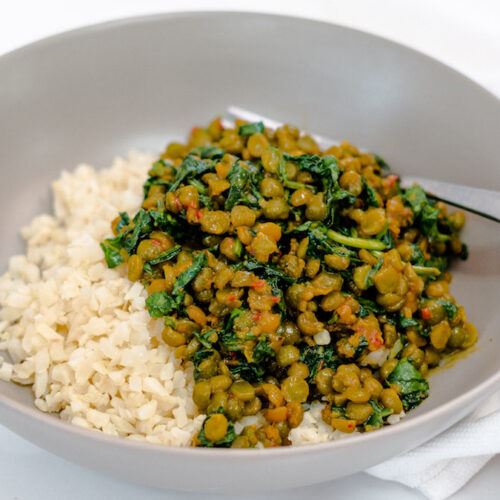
(93, 93)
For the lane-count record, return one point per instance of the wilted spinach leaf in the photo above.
(251, 128)
(376, 419)
(225, 442)
(208, 152)
(450, 308)
(251, 372)
(161, 304)
(326, 169)
(413, 388)
(190, 167)
(318, 357)
(244, 187)
(111, 248)
(263, 352)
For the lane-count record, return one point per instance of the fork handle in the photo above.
(480, 201)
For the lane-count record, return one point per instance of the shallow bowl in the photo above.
(93, 93)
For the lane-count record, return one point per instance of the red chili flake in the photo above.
(275, 299)
(391, 180)
(257, 316)
(231, 297)
(199, 214)
(350, 425)
(258, 284)
(156, 243)
(426, 313)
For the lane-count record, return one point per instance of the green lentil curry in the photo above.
(287, 275)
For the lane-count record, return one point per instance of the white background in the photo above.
(464, 34)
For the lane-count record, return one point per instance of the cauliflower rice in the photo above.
(79, 334)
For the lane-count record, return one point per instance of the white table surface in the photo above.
(464, 34)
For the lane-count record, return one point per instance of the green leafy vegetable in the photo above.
(363, 344)
(158, 169)
(450, 308)
(225, 442)
(413, 388)
(198, 357)
(244, 187)
(208, 152)
(199, 262)
(251, 372)
(267, 271)
(204, 338)
(190, 167)
(376, 419)
(142, 227)
(282, 174)
(123, 222)
(367, 306)
(251, 128)
(408, 322)
(227, 336)
(382, 163)
(318, 357)
(111, 248)
(161, 304)
(417, 199)
(163, 257)
(426, 214)
(355, 242)
(326, 169)
(263, 352)
(370, 195)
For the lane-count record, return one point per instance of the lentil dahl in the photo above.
(287, 275)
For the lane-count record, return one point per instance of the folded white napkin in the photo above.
(442, 466)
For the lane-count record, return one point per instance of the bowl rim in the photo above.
(478, 392)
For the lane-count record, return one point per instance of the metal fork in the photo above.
(483, 202)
